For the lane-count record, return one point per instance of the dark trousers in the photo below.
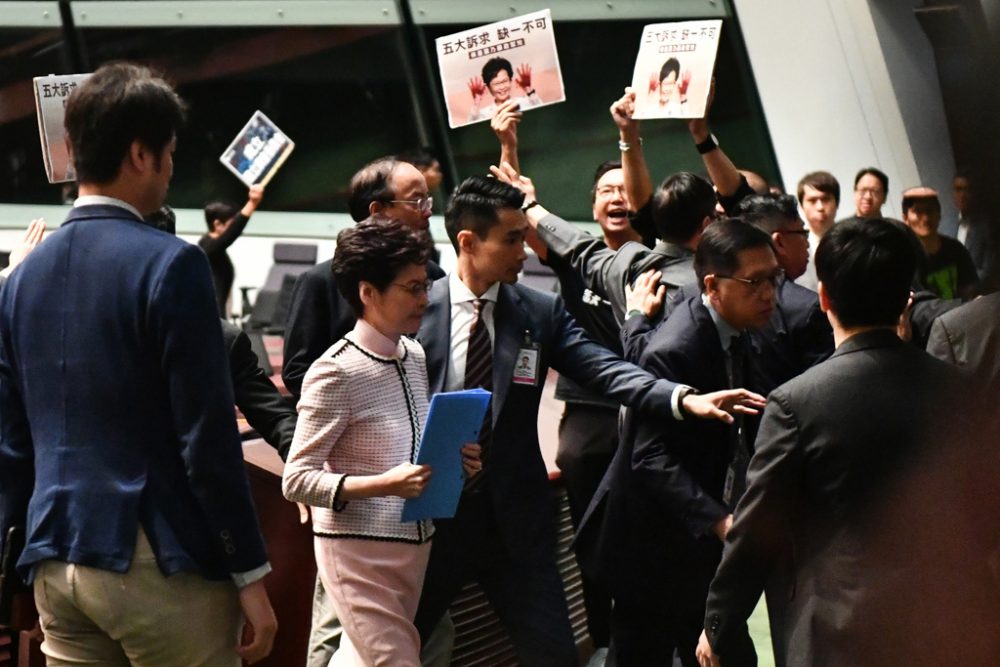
(665, 609)
(525, 591)
(588, 438)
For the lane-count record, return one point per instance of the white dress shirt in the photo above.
(463, 314)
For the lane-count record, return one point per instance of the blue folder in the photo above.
(453, 419)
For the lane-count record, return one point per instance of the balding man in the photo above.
(319, 316)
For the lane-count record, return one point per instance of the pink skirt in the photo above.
(374, 587)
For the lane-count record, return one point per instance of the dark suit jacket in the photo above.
(797, 337)
(270, 414)
(117, 406)
(517, 477)
(834, 446)
(317, 318)
(969, 337)
(664, 490)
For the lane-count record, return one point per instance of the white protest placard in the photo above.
(673, 72)
(257, 151)
(484, 67)
(51, 94)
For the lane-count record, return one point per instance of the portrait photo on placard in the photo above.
(673, 71)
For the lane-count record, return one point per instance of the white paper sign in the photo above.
(484, 67)
(673, 72)
(51, 95)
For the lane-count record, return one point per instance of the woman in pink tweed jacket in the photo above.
(361, 414)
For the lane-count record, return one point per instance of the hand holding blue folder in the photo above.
(453, 419)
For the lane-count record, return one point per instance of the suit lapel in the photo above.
(435, 335)
(509, 325)
(711, 344)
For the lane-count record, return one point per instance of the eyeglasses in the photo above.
(423, 204)
(871, 192)
(775, 280)
(609, 190)
(800, 232)
(416, 288)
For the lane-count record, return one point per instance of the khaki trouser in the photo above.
(139, 618)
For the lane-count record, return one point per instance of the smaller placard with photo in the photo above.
(673, 72)
(258, 151)
(51, 94)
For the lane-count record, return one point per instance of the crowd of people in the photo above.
(753, 407)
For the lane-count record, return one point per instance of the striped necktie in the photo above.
(479, 373)
(479, 358)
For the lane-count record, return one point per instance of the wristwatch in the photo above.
(708, 145)
(528, 204)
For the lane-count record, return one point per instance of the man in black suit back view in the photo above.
(862, 473)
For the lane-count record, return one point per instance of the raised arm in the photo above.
(504, 125)
(729, 182)
(233, 228)
(638, 183)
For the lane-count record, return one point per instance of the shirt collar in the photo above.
(375, 341)
(102, 200)
(727, 332)
(462, 294)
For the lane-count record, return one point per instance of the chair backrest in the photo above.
(290, 259)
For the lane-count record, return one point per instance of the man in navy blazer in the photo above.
(503, 534)
(118, 448)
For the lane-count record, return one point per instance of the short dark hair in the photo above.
(721, 244)
(163, 219)
(680, 205)
(371, 183)
(877, 173)
(867, 268)
(118, 104)
(375, 251)
(218, 210)
(603, 168)
(493, 67)
(672, 65)
(823, 181)
(421, 158)
(768, 212)
(474, 205)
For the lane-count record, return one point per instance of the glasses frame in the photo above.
(425, 204)
(775, 280)
(416, 290)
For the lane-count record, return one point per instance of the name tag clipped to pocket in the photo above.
(526, 365)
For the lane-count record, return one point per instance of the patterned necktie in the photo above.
(479, 374)
(479, 358)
